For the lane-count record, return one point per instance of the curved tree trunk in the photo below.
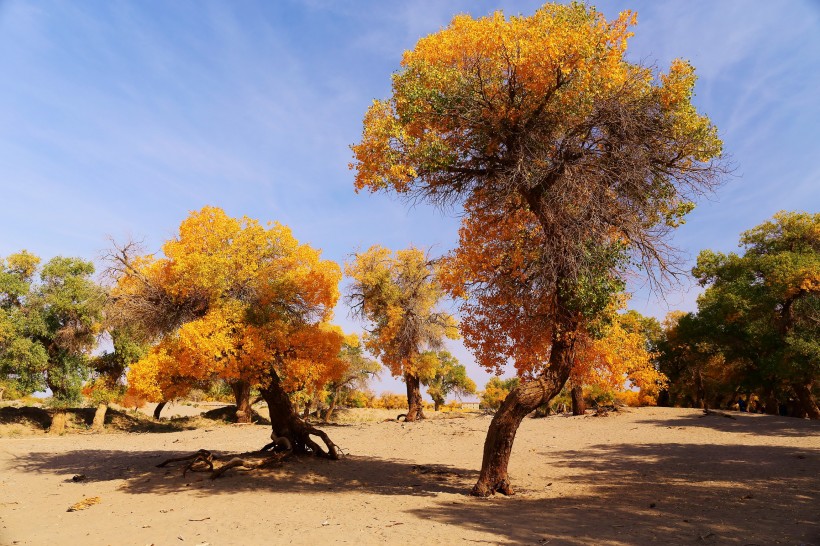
(158, 409)
(577, 396)
(807, 401)
(58, 422)
(332, 407)
(99, 418)
(415, 407)
(242, 398)
(522, 400)
(286, 423)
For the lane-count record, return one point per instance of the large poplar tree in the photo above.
(572, 164)
(234, 300)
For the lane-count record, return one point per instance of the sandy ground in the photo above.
(648, 476)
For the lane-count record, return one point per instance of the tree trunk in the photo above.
(577, 396)
(58, 422)
(2, 390)
(700, 394)
(807, 401)
(436, 404)
(332, 406)
(415, 408)
(98, 425)
(772, 406)
(242, 397)
(286, 423)
(158, 409)
(522, 400)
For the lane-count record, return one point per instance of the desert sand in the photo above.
(639, 476)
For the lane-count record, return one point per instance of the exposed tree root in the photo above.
(203, 460)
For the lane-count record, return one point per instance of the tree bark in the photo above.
(332, 407)
(415, 407)
(158, 409)
(522, 400)
(242, 397)
(58, 422)
(286, 423)
(436, 404)
(98, 425)
(807, 401)
(577, 396)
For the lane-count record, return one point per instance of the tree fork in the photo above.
(521, 401)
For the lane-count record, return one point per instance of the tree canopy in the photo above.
(234, 300)
(398, 294)
(759, 318)
(571, 163)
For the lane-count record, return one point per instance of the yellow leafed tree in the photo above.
(234, 300)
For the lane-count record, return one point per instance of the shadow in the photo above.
(297, 475)
(659, 494)
(743, 423)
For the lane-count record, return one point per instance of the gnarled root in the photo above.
(199, 461)
(203, 461)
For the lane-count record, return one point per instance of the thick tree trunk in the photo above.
(415, 407)
(522, 400)
(772, 406)
(58, 422)
(99, 418)
(286, 423)
(577, 396)
(158, 409)
(807, 401)
(242, 397)
(436, 404)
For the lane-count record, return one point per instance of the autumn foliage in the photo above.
(250, 300)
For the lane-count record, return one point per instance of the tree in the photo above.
(109, 370)
(358, 371)
(761, 310)
(444, 375)
(22, 359)
(496, 390)
(51, 326)
(231, 299)
(398, 294)
(571, 163)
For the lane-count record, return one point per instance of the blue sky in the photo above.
(117, 118)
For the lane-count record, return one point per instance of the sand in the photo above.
(644, 476)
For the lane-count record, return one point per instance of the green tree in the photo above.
(22, 359)
(55, 325)
(359, 371)
(444, 375)
(762, 308)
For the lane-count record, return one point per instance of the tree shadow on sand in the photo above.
(296, 475)
(661, 494)
(743, 423)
